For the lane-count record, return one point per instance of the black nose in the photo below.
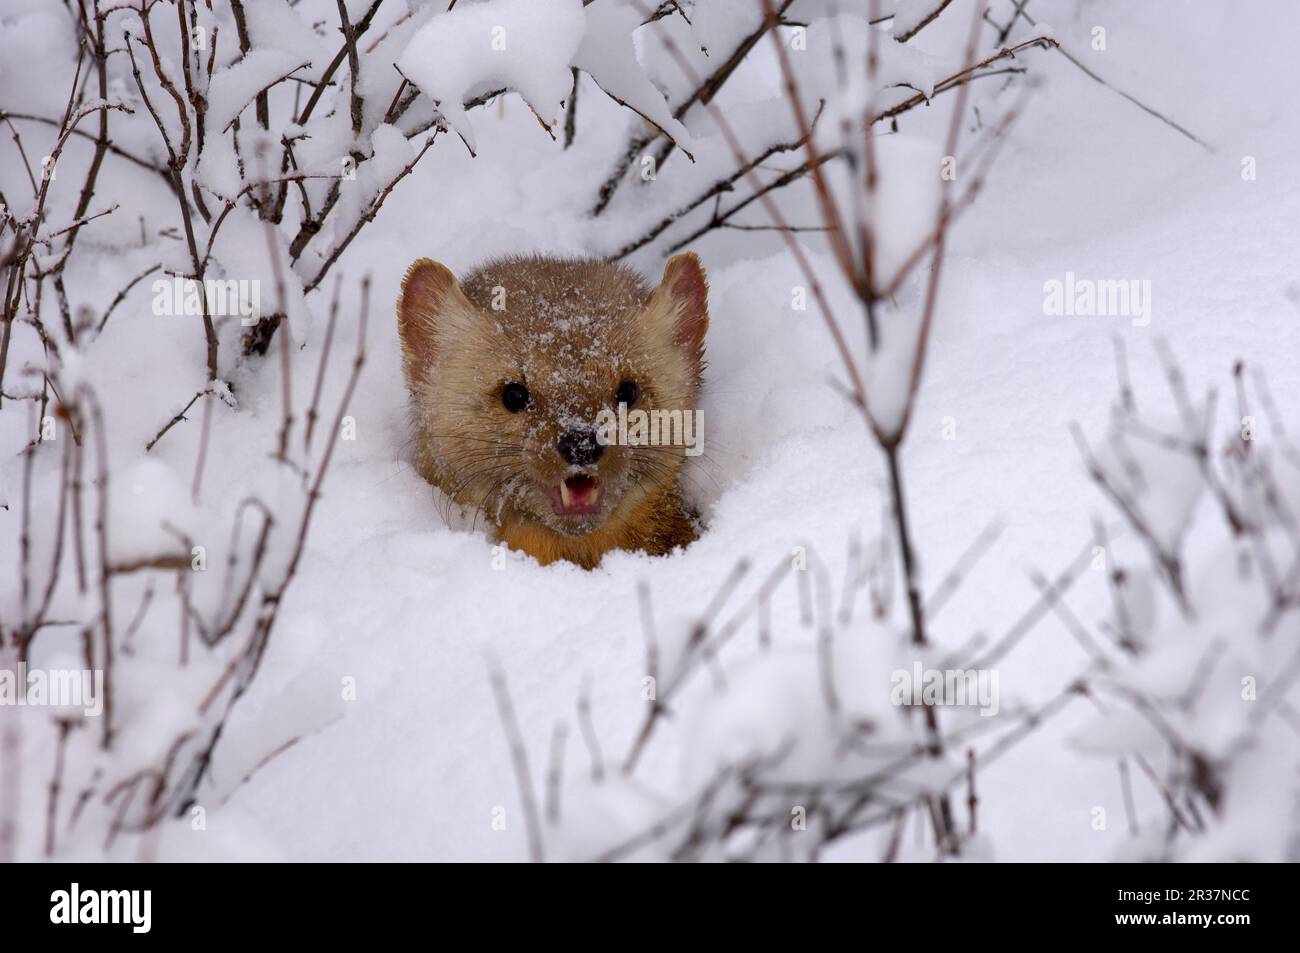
(579, 447)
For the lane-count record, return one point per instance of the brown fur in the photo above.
(571, 331)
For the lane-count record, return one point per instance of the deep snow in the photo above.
(416, 765)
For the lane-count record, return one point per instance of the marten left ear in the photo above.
(683, 299)
(429, 290)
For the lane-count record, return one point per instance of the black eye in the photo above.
(514, 397)
(627, 393)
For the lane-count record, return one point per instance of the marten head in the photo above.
(517, 374)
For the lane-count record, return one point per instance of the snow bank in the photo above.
(522, 45)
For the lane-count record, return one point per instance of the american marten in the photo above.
(516, 376)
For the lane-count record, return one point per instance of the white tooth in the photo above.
(566, 498)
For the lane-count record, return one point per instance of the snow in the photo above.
(910, 14)
(149, 514)
(522, 45)
(390, 152)
(236, 86)
(371, 730)
(608, 55)
(241, 252)
(275, 25)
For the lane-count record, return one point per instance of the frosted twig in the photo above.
(518, 759)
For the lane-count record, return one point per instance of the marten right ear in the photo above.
(427, 289)
(681, 303)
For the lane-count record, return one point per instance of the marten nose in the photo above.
(579, 447)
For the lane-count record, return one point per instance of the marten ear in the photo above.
(683, 299)
(426, 291)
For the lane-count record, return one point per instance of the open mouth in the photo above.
(577, 495)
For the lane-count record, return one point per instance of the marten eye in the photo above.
(627, 393)
(514, 397)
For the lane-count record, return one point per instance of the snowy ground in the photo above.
(415, 767)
